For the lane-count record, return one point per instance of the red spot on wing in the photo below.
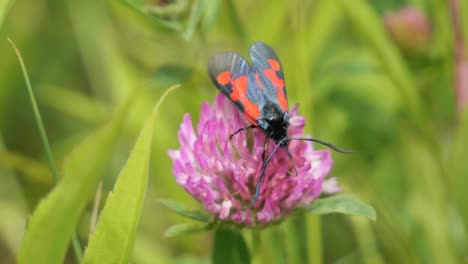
(251, 112)
(257, 77)
(224, 78)
(278, 83)
(239, 88)
(239, 94)
(274, 64)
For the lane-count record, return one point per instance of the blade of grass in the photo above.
(113, 239)
(45, 141)
(37, 115)
(94, 215)
(458, 170)
(84, 108)
(48, 233)
(194, 20)
(33, 170)
(5, 6)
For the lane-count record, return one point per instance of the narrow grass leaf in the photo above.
(52, 223)
(182, 210)
(5, 6)
(37, 115)
(185, 229)
(458, 168)
(33, 170)
(84, 108)
(341, 204)
(229, 247)
(114, 236)
(194, 20)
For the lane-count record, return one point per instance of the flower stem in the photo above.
(297, 247)
(314, 238)
(276, 244)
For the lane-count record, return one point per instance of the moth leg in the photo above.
(262, 173)
(265, 148)
(242, 129)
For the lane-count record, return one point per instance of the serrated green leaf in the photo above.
(182, 210)
(229, 247)
(185, 229)
(52, 223)
(341, 204)
(114, 236)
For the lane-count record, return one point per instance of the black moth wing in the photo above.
(241, 88)
(270, 71)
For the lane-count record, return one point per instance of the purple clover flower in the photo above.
(222, 173)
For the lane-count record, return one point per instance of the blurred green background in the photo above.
(378, 77)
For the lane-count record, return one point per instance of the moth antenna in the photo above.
(335, 148)
(262, 173)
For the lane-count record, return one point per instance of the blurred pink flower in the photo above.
(221, 173)
(410, 28)
(461, 84)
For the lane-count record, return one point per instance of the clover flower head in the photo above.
(222, 173)
(410, 28)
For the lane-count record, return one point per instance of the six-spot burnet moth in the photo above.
(259, 92)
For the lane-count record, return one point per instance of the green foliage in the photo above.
(185, 229)
(180, 209)
(341, 204)
(229, 247)
(48, 231)
(113, 239)
(356, 85)
(5, 6)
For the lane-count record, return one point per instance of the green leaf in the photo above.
(458, 167)
(229, 247)
(114, 236)
(5, 6)
(84, 107)
(194, 20)
(463, 17)
(341, 204)
(172, 73)
(182, 210)
(366, 21)
(52, 223)
(185, 229)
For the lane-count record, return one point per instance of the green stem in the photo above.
(314, 238)
(77, 248)
(45, 141)
(296, 235)
(276, 245)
